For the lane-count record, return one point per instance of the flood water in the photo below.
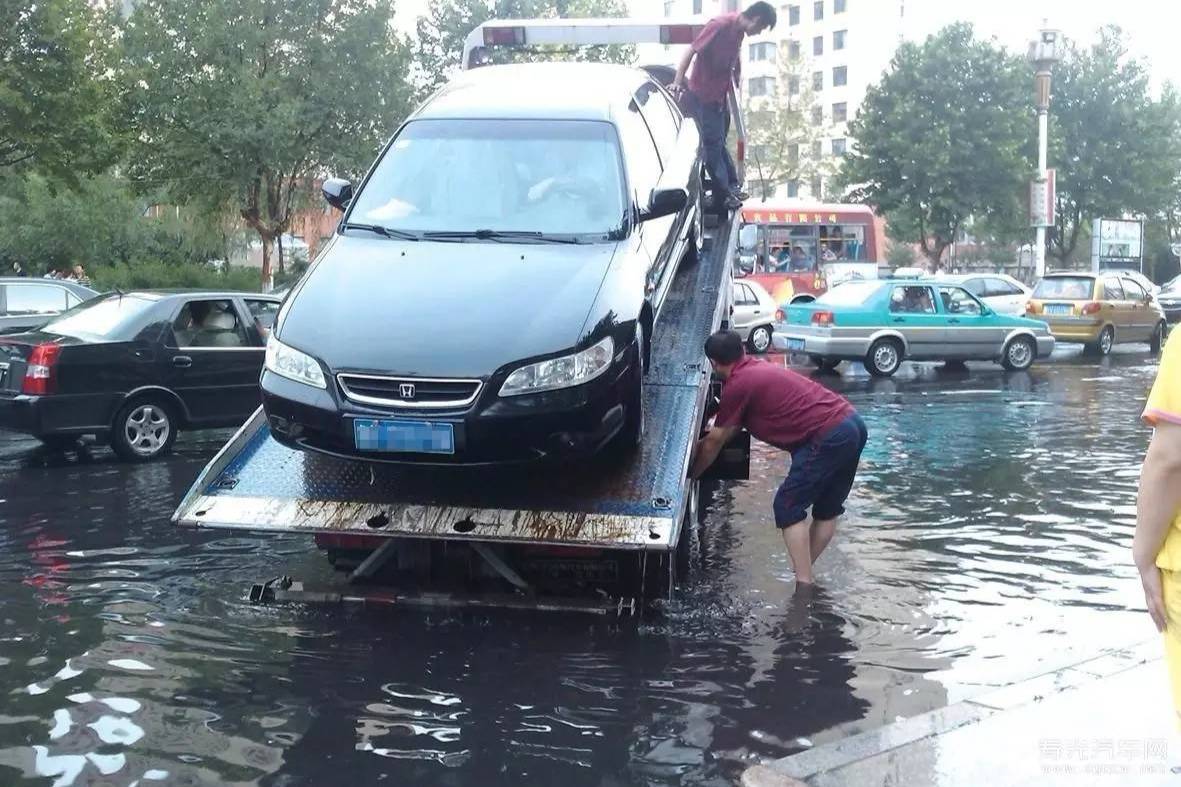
(988, 540)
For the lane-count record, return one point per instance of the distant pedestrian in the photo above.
(714, 57)
(79, 275)
(18, 269)
(1156, 546)
(818, 427)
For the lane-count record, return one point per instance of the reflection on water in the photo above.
(986, 541)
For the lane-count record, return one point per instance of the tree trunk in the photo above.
(934, 255)
(279, 245)
(267, 240)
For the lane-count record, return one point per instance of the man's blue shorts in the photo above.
(821, 474)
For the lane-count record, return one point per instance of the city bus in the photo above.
(797, 250)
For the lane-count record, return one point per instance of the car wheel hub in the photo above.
(1105, 341)
(1019, 353)
(147, 429)
(762, 339)
(886, 357)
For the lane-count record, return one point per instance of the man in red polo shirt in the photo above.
(717, 66)
(820, 429)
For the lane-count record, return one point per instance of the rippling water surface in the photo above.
(987, 541)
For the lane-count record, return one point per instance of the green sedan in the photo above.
(882, 323)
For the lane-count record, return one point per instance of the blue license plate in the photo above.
(1059, 308)
(417, 437)
(795, 344)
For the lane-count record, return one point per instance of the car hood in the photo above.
(430, 309)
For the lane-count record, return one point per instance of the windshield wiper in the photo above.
(500, 235)
(387, 232)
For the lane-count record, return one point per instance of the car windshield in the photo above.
(1071, 288)
(851, 293)
(515, 176)
(111, 317)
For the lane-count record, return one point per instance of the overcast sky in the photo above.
(1153, 30)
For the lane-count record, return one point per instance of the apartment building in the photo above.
(845, 46)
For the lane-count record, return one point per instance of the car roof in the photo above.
(537, 91)
(72, 285)
(165, 294)
(1072, 274)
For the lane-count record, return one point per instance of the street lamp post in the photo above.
(1044, 52)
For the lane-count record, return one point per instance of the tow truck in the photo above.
(603, 537)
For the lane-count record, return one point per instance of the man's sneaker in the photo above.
(742, 195)
(733, 202)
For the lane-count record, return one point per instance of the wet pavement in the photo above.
(988, 536)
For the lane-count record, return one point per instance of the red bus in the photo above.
(796, 250)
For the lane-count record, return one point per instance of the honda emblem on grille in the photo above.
(406, 390)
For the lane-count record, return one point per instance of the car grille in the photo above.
(413, 392)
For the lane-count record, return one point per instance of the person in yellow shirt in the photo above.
(1156, 547)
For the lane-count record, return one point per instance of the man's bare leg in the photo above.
(822, 532)
(798, 538)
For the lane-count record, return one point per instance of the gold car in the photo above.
(1098, 310)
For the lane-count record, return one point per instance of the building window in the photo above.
(696, 7)
(817, 189)
(838, 147)
(793, 154)
(668, 7)
(793, 50)
(838, 6)
(840, 76)
(817, 150)
(793, 15)
(840, 112)
(793, 85)
(818, 9)
(817, 117)
(731, 6)
(818, 80)
(818, 45)
(838, 39)
(793, 189)
(762, 86)
(764, 50)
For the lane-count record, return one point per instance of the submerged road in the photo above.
(990, 532)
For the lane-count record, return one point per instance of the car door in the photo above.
(912, 312)
(1143, 315)
(970, 332)
(212, 360)
(1003, 296)
(29, 304)
(1120, 309)
(677, 144)
(747, 309)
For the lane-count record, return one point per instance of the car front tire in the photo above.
(759, 340)
(1019, 354)
(631, 434)
(884, 358)
(144, 429)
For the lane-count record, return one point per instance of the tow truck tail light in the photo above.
(1092, 308)
(823, 318)
(39, 373)
(780, 316)
(504, 36)
(678, 34)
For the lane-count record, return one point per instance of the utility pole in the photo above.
(1044, 52)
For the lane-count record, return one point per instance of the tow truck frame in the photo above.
(638, 510)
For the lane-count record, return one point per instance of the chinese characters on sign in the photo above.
(793, 218)
(1041, 200)
(1104, 756)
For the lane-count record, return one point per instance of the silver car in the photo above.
(754, 315)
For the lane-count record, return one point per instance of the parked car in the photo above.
(135, 368)
(1169, 299)
(490, 293)
(754, 315)
(1003, 293)
(27, 303)
(882, 323)
(1098, 310)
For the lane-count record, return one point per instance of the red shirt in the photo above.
(716, 65)
(777, 405)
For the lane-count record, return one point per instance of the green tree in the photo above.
(1108, 140)
(781, 130)
(441, 33)
(53, 92)
(251, 100)
(940, 139)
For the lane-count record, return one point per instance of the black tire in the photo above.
(759, 340)
(884, 357)
(1158, 339)
(1105, 342)
(1019, 354)
(144, 428)
(632, 433)
(824, 364)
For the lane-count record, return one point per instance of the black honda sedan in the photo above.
(490, 293)
(136, 367)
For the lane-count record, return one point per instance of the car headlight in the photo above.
(564, 372)
(294, 365)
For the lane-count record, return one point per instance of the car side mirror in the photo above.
(664, 202)
(338, 192)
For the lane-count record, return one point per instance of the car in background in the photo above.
(544, 208)
(1098, 310)
(26, 303)
(999, 291)
(1169, 299)
(882, 323)
(754, 315)
(135, 368)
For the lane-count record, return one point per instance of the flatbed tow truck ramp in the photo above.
(599, 536)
